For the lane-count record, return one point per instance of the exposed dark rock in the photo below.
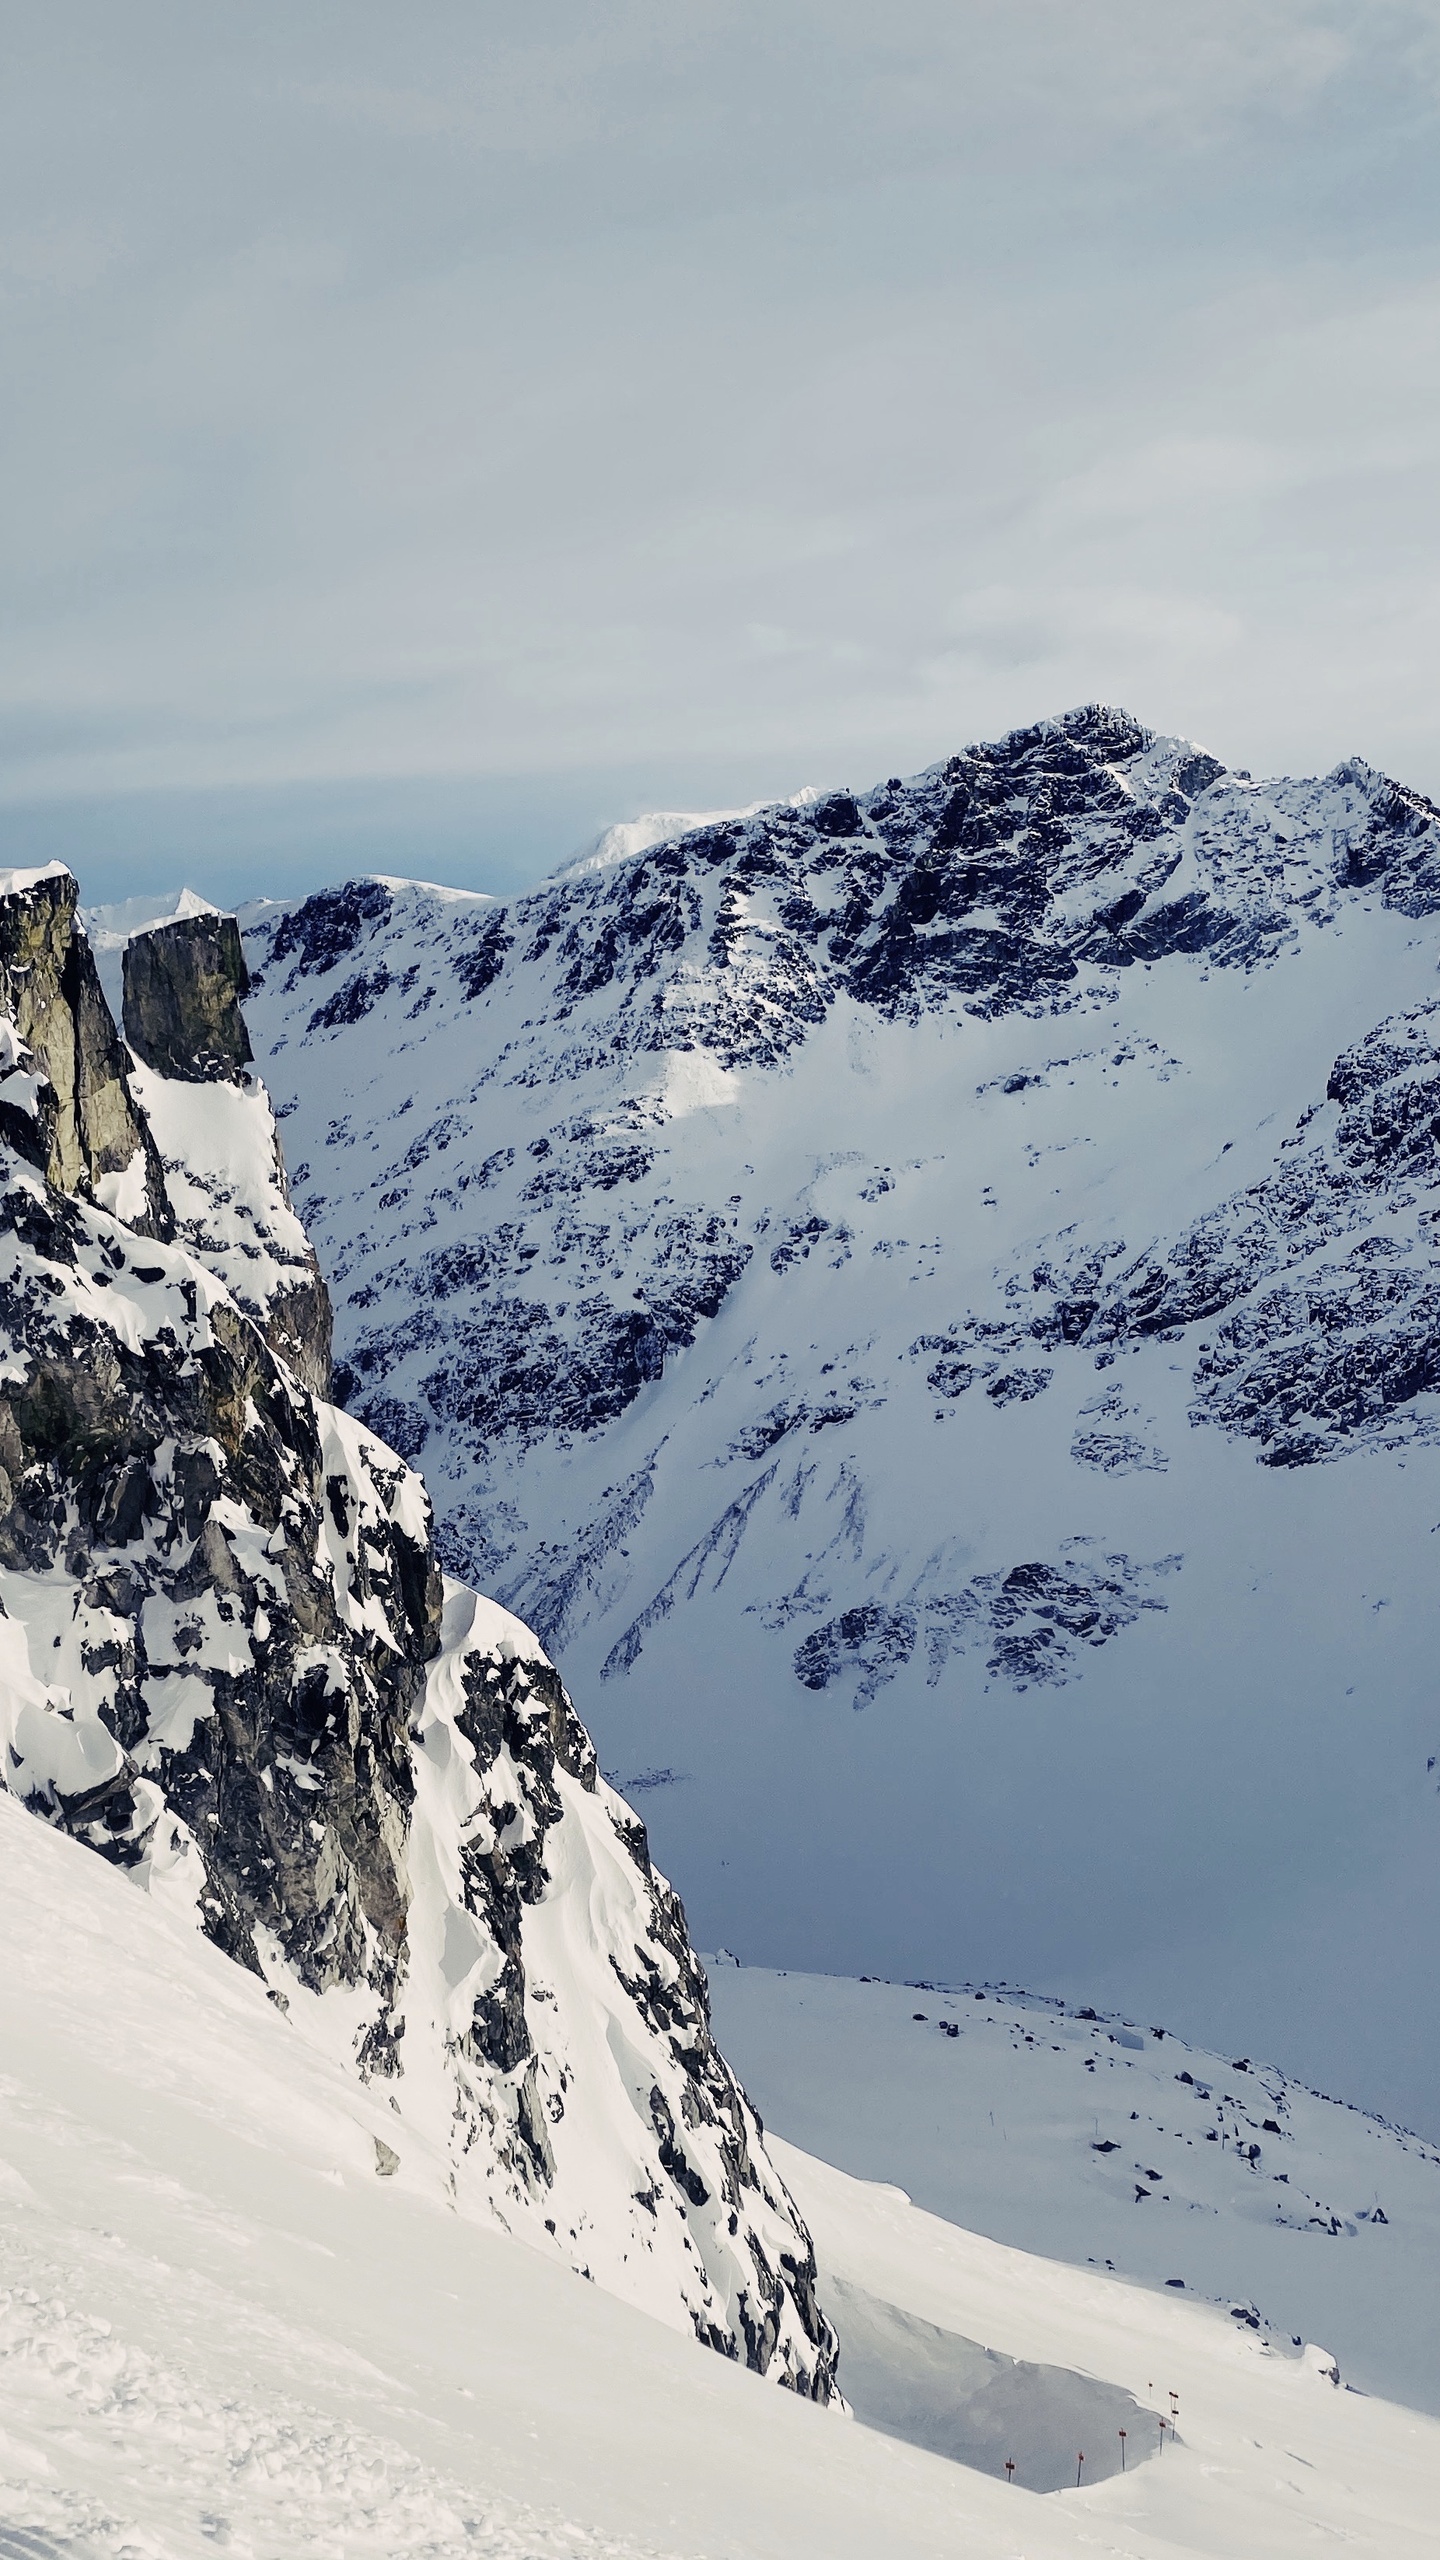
(1345, 1350)
(873, 1641)
(183, 984)
(326, 928)
(480, 964)
(147, 1451)
(351, 1002)
(1031, 1623)
(299, 1322)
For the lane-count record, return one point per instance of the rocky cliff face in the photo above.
(183, 982)
(231, 1666)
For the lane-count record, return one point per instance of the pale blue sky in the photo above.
(430, 432)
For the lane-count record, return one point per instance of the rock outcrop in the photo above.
(65, 1103)
(183, 982)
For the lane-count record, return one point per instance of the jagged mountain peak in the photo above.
(1101, 730)
(992, 879)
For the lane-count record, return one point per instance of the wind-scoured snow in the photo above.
(630, 836)
(927, 1299)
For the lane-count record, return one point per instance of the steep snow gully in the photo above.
(962, 1253)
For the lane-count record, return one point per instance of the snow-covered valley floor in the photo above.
(1098, 2141)
(220, 2329)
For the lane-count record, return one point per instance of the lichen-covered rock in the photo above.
(228, 1664)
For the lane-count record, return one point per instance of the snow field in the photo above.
(1088, 2140)
(1270, 2457)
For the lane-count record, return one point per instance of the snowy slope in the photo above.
(1046, 2130)
(962, 1253)
(227, 1187)
(220, 2330)
(230, 1666)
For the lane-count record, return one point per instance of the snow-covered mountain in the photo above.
(229, 1663)
(960, 1252)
